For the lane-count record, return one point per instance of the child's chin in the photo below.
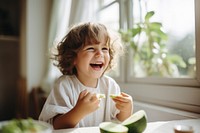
(97, 76)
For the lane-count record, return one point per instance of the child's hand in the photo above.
(124, 103)
(87, 102)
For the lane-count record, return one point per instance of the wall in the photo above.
(9, 66)
(9, 57)
(161, 113)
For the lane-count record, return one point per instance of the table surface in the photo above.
(152, 127)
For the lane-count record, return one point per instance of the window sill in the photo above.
(183, 98)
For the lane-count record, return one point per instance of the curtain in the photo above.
(64, 14)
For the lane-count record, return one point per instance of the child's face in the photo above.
(92, 60)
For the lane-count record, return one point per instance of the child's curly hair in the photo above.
(79, 36)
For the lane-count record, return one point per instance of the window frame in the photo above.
(170, 81)
(179, 93)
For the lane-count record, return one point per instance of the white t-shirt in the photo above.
(64, 95)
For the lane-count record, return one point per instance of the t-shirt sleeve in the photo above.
(58, 102)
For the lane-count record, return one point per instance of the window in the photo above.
(106, 16)
(181, 24)
(180, 43)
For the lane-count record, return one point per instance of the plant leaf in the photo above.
(149, 15)
(155, 25)
(136, 31)
(175, 59)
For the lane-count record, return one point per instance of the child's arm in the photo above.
(86, 104)
(124, 103)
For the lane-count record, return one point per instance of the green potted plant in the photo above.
(150, 54)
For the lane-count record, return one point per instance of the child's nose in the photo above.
(99, 53)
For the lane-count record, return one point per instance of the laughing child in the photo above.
(83, 56)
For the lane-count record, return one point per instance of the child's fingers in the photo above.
(82, 94)
(94, 98)
(122, 99)
(124, 94)
(119, 106)
(88, 96)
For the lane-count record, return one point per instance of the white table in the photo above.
(153, 127)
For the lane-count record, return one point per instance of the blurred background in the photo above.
(161, 75)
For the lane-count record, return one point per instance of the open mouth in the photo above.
(96, 65)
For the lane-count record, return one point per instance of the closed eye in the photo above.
(105, 49)
(90, 49)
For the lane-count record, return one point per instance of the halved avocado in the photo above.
(110, 127)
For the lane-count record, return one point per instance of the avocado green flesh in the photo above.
(104, 131)
(109, 127)
(135, 117)
(101, 96)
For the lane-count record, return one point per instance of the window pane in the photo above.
(107, 17)
(172, 55)
(110, 17)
